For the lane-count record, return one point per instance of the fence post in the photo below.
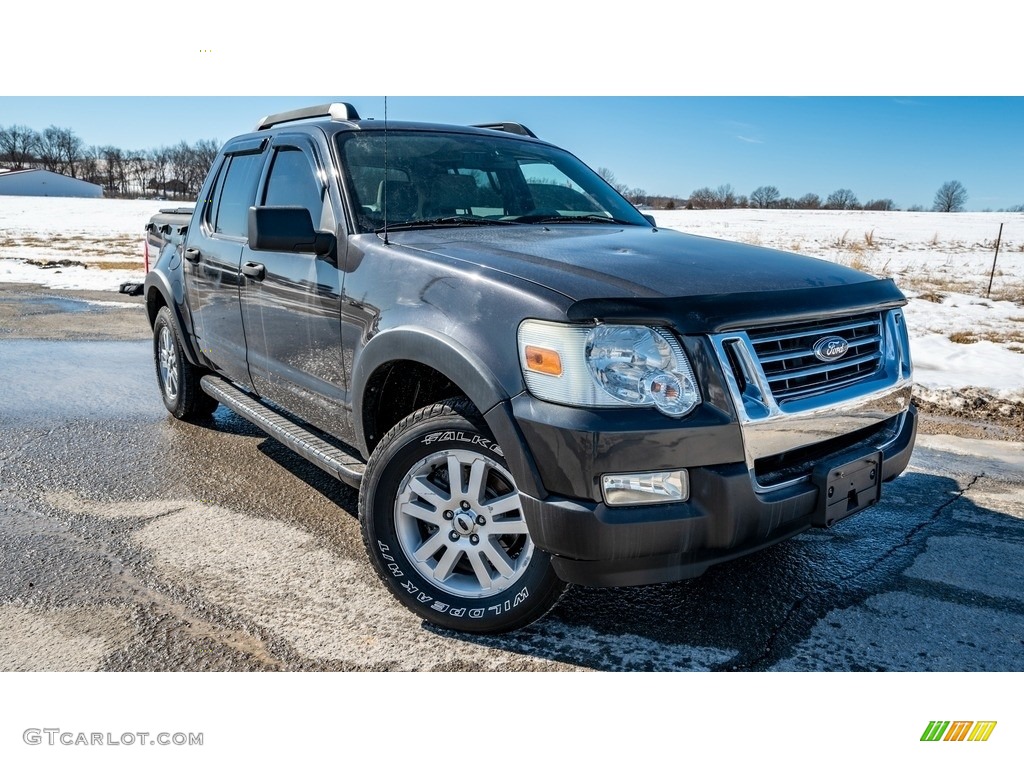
(992, 274)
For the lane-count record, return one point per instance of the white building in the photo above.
(34, 182)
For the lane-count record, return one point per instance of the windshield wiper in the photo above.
(589, 218)
(444, 221)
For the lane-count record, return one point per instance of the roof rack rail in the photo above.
(339, 110)
(517, 128)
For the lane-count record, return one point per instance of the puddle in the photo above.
(58, 380)
(52, 303)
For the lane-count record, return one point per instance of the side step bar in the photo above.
(333, 460)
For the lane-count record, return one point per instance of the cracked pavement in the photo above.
(130, 541)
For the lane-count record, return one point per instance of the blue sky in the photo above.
(897, 147)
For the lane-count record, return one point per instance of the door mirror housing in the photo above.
(288, 228)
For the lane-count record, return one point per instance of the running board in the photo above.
(333, 460)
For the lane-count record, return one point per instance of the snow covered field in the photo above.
(962, 341)
(106, 235)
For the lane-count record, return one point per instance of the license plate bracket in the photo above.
(846, 486)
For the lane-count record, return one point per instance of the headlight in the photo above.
(607, 366)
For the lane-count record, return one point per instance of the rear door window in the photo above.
(233, 196)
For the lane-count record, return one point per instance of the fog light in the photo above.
(646, 488)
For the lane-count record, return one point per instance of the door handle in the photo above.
(192, 254)
(254, 270)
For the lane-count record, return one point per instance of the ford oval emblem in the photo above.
(830, 348)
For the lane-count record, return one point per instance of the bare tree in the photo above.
(809, 202)
(951, 197)
(116, 176)
(61, 151)
(842, 200)
(183, 163)
(884, 204)
(18, 146)
(206, 151)
(765, 197)
(635, 195)
(160, 160)
(725, 196)
(89, 166)
(189, 165)
(607, 175)
(703, 198)
(48, 150)
(71, 151)
(139, 170)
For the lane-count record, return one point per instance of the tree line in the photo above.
(172, 172)
(950, 197)
(769, 197)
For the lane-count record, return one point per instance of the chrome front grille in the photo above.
(787, 357)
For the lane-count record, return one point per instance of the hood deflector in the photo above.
(736, 311)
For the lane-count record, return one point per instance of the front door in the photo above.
(291, 307)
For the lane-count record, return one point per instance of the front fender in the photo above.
(464, 369)
(445, 355)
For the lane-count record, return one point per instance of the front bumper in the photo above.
(755, 461)
(729, 513)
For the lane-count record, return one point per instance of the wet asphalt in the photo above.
(132, 541)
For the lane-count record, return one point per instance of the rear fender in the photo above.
(162, 289)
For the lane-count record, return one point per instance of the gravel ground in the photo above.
(36, 312)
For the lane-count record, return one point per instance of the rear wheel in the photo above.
(177, 377)
(443, 523)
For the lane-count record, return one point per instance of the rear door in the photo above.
(291, 307)
(213, 256)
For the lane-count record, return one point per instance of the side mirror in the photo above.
(288, 228)
(650, 219)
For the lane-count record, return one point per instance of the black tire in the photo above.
(479, 571)
(177, 377)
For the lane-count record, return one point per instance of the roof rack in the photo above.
(517, 128)
(339, 110)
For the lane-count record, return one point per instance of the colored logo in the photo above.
(958, 730)
(830, 348)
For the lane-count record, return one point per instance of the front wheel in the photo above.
(444, 525)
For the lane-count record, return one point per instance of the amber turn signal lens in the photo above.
(543, 360)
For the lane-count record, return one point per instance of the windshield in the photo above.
(454, 179)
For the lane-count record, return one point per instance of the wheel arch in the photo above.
(159, 294)
(409, 349)
(443, 368)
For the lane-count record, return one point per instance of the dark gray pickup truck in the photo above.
(529, 382)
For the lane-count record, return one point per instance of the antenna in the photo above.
(386, 171)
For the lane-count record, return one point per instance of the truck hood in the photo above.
(636, 274)
(584, 261)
